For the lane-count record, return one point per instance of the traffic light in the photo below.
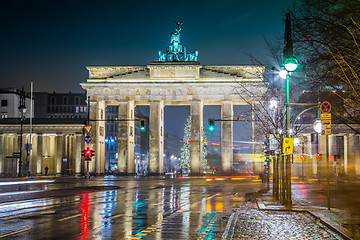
(142, 125)
(318, 154)
(266, 169)
(302, 156)
(87, 154)
(211, 126)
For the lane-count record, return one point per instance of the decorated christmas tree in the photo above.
(185, 150)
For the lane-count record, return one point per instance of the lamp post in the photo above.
(273, 106)
(291, 65)
(22, 110)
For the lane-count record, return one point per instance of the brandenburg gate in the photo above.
(176, 79)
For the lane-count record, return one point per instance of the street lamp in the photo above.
(317, 126)
(291, 64)
(22, 110)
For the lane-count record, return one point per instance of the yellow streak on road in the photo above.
(256, 180)
(74, 216)
(219, 179)
(239, 178)
(13, 233)
(28, 214)
(312, 179)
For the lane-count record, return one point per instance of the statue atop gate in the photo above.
(175, 52)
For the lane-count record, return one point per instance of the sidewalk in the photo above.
(332, 218)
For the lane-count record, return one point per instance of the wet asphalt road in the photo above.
(141, 208)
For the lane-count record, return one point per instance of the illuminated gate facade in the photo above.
(176, 79)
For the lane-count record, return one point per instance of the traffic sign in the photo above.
(88, 128)
(325, 116)
(325, 107)
(326, 124)
(16, 155)
(87, 139)
(288, 145)
(326, 131)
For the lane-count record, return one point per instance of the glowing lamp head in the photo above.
(302, 156)
(291, 64)
(283, 73)
(317, 126)
(318, 154)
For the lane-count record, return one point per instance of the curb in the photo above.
(343, 232)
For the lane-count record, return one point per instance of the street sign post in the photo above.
(325, 123)
(87, 139)
(288, 145)
(325, 107)
(88, 128)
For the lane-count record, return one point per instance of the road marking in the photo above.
(161, 222)
(67, 218)
(28, 214)
(116, 216)
(238, 178)
(13, 233)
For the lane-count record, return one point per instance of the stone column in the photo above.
(349, 161)
(310, 159)
(93, 134)
(156, 138)
(100, 138)
(227, 135)
(59, 152)
(52, 154)
(2, 154)
(77, 149)
(196, 147)
(39, 154)
(126, 137)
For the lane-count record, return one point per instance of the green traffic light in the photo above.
(211, 128)
(142, 128)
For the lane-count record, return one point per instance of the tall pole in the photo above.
(328, 172)
(288, 53)
(20, 144)
(21, 109)
(87, 160)
(31, 118)
(288, 202)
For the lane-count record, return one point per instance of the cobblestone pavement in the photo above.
(247, 222)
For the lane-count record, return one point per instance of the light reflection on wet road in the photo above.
(151, 208)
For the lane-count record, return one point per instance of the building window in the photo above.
(52, 100)
(4, 103)
(77, 109)
(65, 100)
(4, 115)
(77, 100)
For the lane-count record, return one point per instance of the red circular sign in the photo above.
(325, 107)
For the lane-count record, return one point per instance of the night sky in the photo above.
(51, 42)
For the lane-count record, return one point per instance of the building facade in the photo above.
(10, 102)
